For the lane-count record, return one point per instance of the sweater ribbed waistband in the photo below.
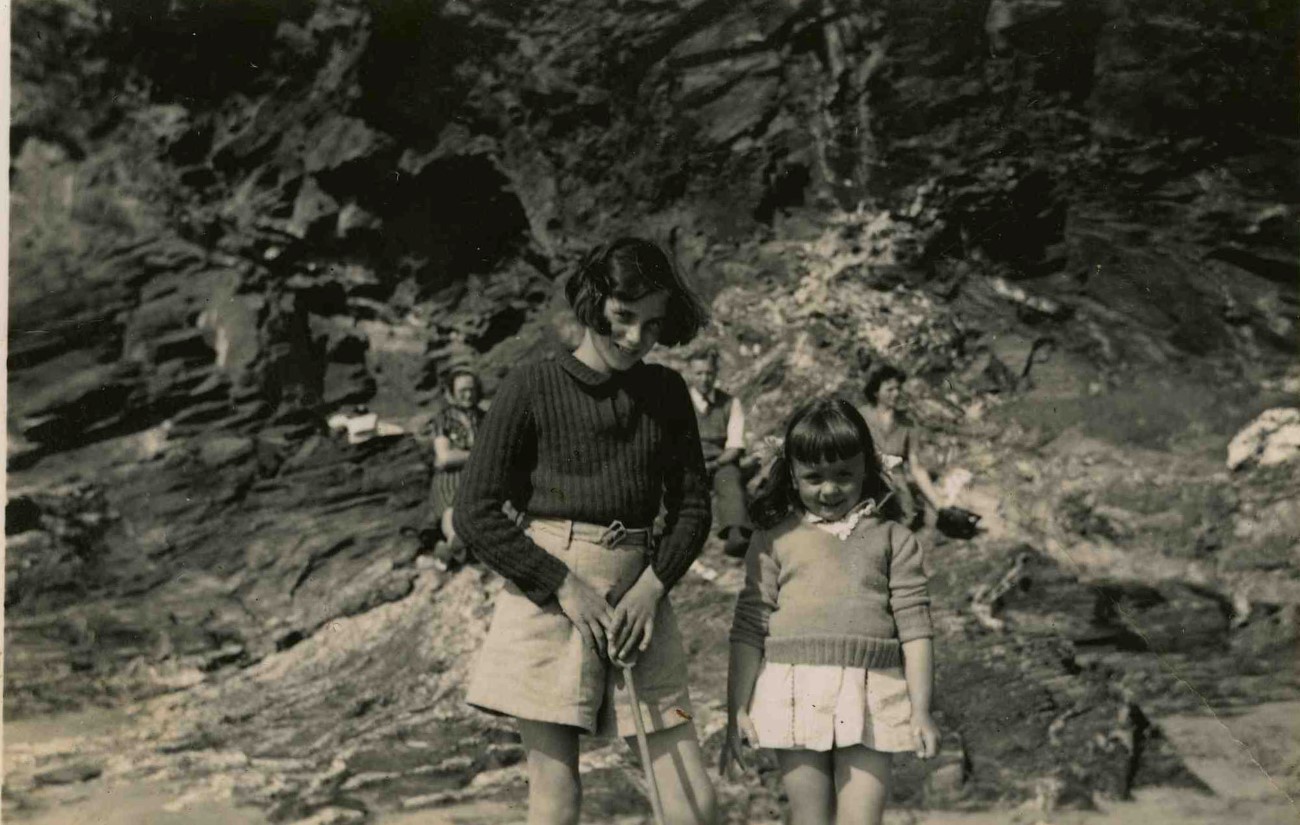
(843, 651)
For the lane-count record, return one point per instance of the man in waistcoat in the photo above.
(722, 435)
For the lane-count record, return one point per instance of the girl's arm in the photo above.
(909, 600)
(918, 668)
(742, 673)
(749, 626)
(688, 512)
(501, 449)
(909, 594)
(758, 598)
(754, 608)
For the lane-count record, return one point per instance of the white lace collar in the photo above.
(842, 527)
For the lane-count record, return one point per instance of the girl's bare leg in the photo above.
(554, 789)
(680, 772)
(809, 782)
(861, 785)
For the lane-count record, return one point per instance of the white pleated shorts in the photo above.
(821, 707)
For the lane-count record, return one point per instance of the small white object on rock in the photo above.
(362, 427)
(1273, 438)
(704, 571)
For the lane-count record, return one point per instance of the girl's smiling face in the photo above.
(634, 329)
(830, 489)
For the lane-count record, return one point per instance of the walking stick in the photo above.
(656, 803)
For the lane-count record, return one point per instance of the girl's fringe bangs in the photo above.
(824, 438)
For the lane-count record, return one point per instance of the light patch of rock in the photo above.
(1272, 438)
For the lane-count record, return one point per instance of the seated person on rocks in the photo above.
(722, 435)
(897, 440)
(454, 430)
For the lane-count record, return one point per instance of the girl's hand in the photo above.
(740, 734)
(587, 610)
(925, 734)
(632, 623)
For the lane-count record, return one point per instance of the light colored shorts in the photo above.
(821, 707)
(534, 664)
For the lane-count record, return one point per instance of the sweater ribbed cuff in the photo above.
(541, 584)
(675, 554)
(744, 637)
(843, 651)
(670, 570)
(914, 623)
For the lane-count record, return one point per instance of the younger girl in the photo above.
(586, 445)
(831, 658)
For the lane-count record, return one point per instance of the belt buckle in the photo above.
(613, 534)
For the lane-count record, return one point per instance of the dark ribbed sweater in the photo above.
(562, 440)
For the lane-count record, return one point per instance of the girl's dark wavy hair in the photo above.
(630, 269)
(824, 429)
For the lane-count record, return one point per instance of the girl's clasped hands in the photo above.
(617, 632)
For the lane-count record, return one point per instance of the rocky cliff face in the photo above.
(1073, 224)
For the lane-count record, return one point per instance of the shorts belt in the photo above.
(612, 535)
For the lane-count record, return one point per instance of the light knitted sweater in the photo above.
(812, 598)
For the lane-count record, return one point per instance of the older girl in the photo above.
(587, 445)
